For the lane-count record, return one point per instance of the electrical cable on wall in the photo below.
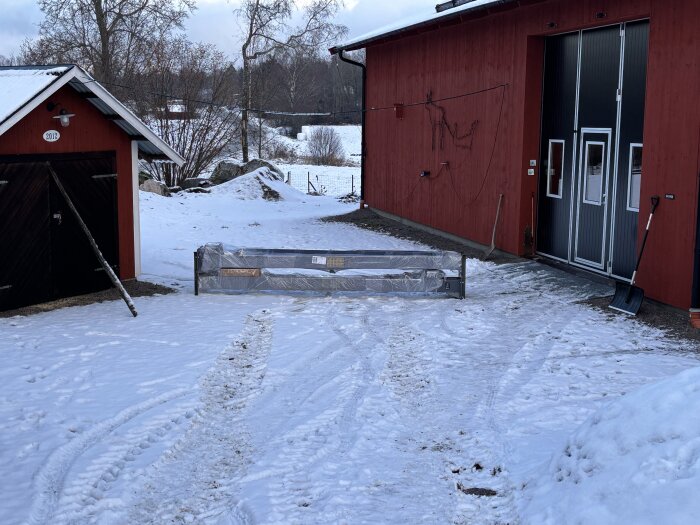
(428, 103)
(493, 148)
(439, 124)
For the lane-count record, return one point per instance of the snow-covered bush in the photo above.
(325, 147)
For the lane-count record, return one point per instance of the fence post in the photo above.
(308, 182)
(289, 178)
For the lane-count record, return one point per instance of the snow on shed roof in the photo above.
(414, 22)
(23, 88)
(19, 85)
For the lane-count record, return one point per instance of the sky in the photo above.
(213, 21)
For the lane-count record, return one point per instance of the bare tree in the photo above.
(110, 38)
(325, 147)
(266, 29)
(187, 96)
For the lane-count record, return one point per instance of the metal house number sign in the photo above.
(51, 135)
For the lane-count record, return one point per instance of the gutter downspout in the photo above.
(364, 113)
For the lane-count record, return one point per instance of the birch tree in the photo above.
(267, 28)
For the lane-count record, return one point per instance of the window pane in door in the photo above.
(555, 168)
(594, 173)
(635, 176)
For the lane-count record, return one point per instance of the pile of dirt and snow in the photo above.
(636, 460)
(262, 183)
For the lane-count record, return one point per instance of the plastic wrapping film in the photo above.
(223, 269)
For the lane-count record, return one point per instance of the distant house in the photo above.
(60, 116)
(576, 111)
(177, 110)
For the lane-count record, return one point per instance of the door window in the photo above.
(635, 177)
(555, 168)
(593, 173)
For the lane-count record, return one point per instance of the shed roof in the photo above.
(23, 88)
(416, 22)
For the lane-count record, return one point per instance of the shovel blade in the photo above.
(628, 299)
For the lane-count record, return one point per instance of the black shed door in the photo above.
(44, 254)
(25, 238)
(591, 153)
(91, 184)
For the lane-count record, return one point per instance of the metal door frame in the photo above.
(604, 196)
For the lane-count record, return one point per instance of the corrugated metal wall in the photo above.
(506, 47)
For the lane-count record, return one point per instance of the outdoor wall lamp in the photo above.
(63, 116)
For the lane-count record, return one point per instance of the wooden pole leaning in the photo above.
(105, 265)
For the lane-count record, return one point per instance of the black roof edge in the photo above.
(417, 26)
(451, 4)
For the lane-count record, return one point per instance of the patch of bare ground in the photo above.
(133, 287)
(370, 220)
(673, 320)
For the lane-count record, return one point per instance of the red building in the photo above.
(576, 111)
(59, 116)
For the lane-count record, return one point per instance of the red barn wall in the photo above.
(505, 48)
(89, 131)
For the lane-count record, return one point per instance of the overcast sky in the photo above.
(213, 20)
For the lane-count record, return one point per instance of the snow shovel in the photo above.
(628, 298)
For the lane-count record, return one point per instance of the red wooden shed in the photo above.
(61, 117)
(576, 111)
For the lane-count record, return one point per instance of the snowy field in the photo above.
(350, 136)
(276, 409)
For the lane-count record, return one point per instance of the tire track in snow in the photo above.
(88, 495)
(300, 455)
(506, 359)
(313, 364)
(361, 384)
(195, 481)
(50, 479)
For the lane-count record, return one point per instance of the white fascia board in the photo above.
(136, 210)
(121, 110)
(40, 98)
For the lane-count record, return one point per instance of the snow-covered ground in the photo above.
(350, 136)
(290, 409)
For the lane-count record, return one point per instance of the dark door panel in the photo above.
(558, 122)
(76, 268)
(44, 253)
(593, 178)
(629, 168)
(25, 254)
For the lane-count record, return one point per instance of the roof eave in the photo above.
(427, 25)
(123, 112)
